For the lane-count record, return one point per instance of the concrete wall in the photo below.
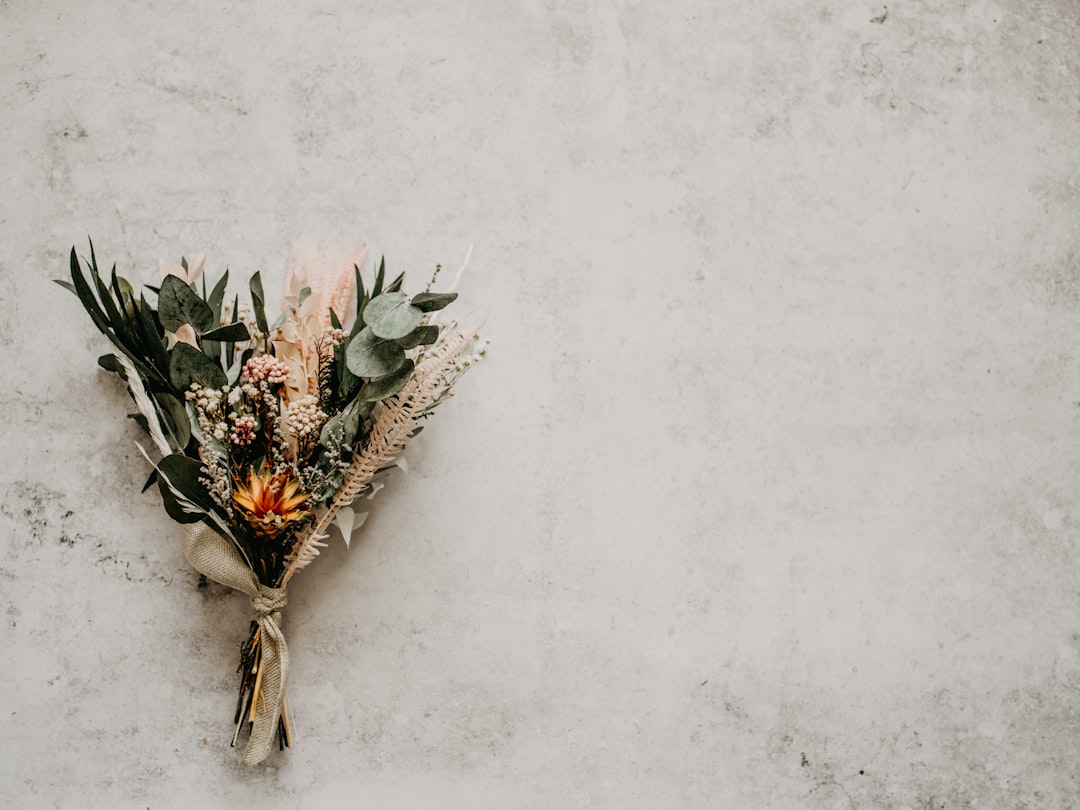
(766, 496)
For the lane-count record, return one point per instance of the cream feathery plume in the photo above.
(331, 280)
(345, 285)
(145, 406)
(393, 427)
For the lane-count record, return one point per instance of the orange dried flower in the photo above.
(269, 502)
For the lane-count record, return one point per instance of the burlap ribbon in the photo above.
(211, 554)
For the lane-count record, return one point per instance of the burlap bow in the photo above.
(212, 555)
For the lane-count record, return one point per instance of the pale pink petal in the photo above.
(186, 334)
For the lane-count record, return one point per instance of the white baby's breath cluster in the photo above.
(209, 413)
(304, 417)
(464, 362)
(208, 406)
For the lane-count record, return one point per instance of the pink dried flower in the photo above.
(243, 432)
(266, 367)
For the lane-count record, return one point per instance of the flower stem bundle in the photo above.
(266, 431)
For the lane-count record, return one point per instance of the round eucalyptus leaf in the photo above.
(391, 316)
(369, 355)
(384, 387)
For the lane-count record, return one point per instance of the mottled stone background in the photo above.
(766, 496)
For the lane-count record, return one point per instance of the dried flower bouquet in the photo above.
(268, 431)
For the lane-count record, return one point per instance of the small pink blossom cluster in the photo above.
(243, 431)
(266, 367)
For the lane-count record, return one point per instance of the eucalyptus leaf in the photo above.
(374, 390)
(391, 316)
(302, 297)
(109, 362)
(420, 336)
(188, 365)
(368, 355)
(432, 302)
(178, 304)
(344, 520)
(235, 332)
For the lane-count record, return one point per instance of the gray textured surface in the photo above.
(766, 498)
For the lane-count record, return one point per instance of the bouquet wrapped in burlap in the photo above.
(267, 431)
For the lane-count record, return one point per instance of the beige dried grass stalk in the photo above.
(393, 427)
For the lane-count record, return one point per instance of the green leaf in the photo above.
(179, 304)
(395, 285)
(98, 316)
(149, 481)
(235, 332)
(374, 390)
(360, 292)
(380, 274)
(302, 297)
(140, 419)
(67, 285)
(183, 473)
(187, 365)
(368, 355)
(420, 336)
(229, 347)
(347, 381)
(110, 363)
(82, 289)
(125, 294)
(258, 301)
(175, 418)
(432, 302)
(361, 301)
(119, 324)
(211, 348)
(151, 339)
(217, 296)
(334, 321)
(391, 316)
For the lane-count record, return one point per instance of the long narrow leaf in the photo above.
(82, 289)
(380, 275)
(152, 340)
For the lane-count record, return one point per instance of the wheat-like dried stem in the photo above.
(388, 436)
